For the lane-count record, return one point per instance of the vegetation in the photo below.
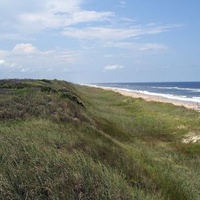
(64, 141)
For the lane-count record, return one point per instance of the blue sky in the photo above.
(89, 41)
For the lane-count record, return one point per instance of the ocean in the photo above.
(180, 91)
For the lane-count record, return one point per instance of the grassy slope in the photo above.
(64, 141)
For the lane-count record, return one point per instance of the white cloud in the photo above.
(28, 17)
(89, 16)
(125, 45)
(113, 67)
(57, 57)
(152, 46)
(7, 64)
(136, 47)
(47, 19)
(28, 58)
(2, 62)
(62, 5)
(34, 16)
(113, 33)
(24, 49)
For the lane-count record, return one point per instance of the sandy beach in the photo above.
(189, 105)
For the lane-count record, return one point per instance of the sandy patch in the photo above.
(191, 137)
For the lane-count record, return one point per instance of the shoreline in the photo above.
(151, 98)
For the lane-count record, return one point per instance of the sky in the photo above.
(93, 41)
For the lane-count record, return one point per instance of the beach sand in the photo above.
(188, 105)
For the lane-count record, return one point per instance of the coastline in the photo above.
(149, 97)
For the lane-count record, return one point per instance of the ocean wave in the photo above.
(198, 98)
(173, 97)
(178, 88)
(167, 96)
(194, 99)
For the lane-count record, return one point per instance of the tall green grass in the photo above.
(153, 131)
(75, 142)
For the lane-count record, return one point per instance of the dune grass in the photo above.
(65, 141)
